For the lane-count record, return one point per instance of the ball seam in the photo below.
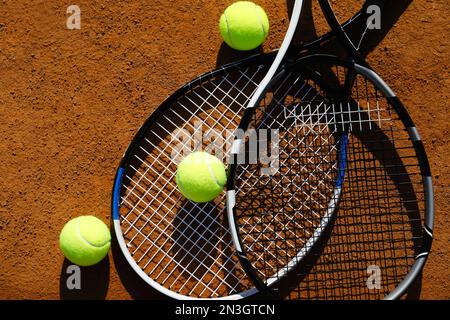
(86, 240)
(213, 175)
(228, 30)
(260, 21)
(183, 189)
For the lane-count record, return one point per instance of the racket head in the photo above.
(183, 249)
(382, 222)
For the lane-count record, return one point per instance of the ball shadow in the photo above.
(94, 281)
(227, 54)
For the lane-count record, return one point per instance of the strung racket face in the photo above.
(184, 249)
(296, 232)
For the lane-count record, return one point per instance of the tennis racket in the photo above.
(182, 249)
(342, 206)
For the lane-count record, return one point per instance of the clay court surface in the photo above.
(71, 100)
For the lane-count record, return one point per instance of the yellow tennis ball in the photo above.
(85, 240)
(201, 177)
(244, 25)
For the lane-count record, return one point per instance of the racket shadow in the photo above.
(202, 247)
(313, 23)
(392, 11)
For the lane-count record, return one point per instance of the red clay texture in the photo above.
(71, 100)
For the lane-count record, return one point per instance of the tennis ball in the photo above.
(244, 25)
(201, 177)
(85, 240)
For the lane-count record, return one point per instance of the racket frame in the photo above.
(413, 133)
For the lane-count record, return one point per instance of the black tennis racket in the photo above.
(180, 248)
(341, 204)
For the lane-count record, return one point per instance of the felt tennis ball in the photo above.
(201, 177)
(244, 25)
(85, 240)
